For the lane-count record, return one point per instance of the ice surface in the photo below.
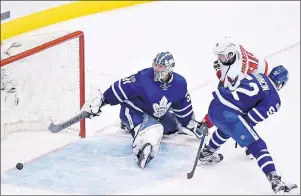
(188, 30)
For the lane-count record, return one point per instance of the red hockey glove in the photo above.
(207, 120)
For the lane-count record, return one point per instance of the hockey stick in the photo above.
(55, 128)
(190, 174)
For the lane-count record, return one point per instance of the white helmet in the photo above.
(225, 49)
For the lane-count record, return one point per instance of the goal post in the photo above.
(50, 72)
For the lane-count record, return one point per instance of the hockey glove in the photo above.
(217, 68)
(207, 120)
(94, 104)
(198, 129)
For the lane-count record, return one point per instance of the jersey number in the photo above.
(250, 93)
(272, 110)
(252, 61)
(129, 79)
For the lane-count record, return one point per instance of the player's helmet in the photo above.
(225, 49)
(279, 75)
(163, 66)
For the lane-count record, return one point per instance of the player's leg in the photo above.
(237, 127)
(130, 118)
(146, 131)
(217, 139)
(265, 161)
(147, 140)
(170, 124)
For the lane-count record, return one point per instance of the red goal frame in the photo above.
(60, 40)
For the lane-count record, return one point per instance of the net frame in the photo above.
(73, 35)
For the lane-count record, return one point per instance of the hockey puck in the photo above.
(19, 166)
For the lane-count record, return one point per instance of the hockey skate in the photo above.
(248, 153)
(123, 126)
(144, 156)
(280, 187)
(208, 157)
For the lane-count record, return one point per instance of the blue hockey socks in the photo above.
(218, 138)
(264, 160)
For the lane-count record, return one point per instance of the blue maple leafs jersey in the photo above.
(141, 93)
(256, 97)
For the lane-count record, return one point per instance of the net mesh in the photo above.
(48, 84)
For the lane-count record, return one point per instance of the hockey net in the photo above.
(49, 70)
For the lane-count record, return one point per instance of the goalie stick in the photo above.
(55, 128)
(190, 174)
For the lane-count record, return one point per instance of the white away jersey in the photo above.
(245, 63)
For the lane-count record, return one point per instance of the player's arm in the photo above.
(118, 92)
(122, 90)
(183, 111)
(261, 112)
(217, 68)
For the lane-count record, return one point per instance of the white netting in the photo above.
(48, 84)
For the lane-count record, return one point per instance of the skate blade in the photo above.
(291, 190)
(146, 153)
(206, 162)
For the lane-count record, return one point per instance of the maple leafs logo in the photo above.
(161, 108)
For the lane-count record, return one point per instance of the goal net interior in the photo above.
(48, 70)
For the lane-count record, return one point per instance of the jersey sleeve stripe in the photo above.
(132, 105)
(258, 114)
(251, 117)
(181, 110)
(121, 90)
(115, 93)
(185, 115)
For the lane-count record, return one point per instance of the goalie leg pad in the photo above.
(149, 132)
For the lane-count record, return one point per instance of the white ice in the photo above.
(123, 41)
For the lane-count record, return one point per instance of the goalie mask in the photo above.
(225, 50)
(163, 66)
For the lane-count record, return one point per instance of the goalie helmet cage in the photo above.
(37, 86)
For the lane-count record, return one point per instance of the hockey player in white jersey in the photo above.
(233, 63)
(153, 102)
(233, 57)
